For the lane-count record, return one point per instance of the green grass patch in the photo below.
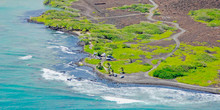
(143, 8)
(155, 61)
(62, 4)
(156, 12)
(199, 66)
(134, 67)
(92, 61)
(157, 50)
(162, 36)
(209, 16)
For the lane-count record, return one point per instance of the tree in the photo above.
(109, 68)
(122, 70)
(130, 60)
(100, 66)
(112, 71)
(109, 65)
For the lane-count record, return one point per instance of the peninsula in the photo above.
(171, 43)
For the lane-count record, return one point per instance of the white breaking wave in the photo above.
(120, 100)
(126, 95)
(87, 71)
(66, 50)
(25, 57)
(53, 75)
(63, 49)
(52, 47)
(59, 32)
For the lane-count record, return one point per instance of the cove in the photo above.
(36, 63)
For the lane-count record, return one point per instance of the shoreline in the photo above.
(137, 78)
(142, 77)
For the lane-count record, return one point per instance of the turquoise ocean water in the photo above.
(35, 63)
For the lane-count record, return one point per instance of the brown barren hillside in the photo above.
(100, 8)
(177, 10)
(171, 10)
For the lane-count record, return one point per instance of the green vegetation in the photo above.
(128, 67)
(155, 61)
(169, 72)
(62, 4)
(92, 61)
(106, 38)
(143, 8)
(209, 16)
(156, 12)
(197, 65)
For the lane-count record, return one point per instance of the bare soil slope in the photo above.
(99, 9)
(178, 9)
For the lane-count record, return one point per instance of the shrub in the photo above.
(209, 16)
(99, 53)
(143, 8)
(126, 46)
(206, 58)
(96, 47)
(113, 46)
(168, 72)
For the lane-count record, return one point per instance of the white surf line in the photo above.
(121, 100)
(63, 49)
(128, 95)
(59, 32)
(174, 37)
(25, 57)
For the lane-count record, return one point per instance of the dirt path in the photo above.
(99, 18)
(174, 36)
(89, 9)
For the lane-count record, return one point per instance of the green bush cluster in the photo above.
(62, 4)
(156, 12)
(197, 65)
(155, 61)
(169, 72)
(206, 57)
(92, 61)
(134, 67)
(143, 8)
(172, 72)
(64, 19)
(209, 16)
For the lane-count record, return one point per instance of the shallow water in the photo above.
(35, 63)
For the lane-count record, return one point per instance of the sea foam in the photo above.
(121, 100)
(59, 32)
(25, 57)
(63, 49)
(151, 95)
